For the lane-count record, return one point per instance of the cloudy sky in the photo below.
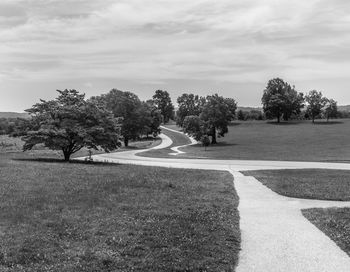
(200, 46)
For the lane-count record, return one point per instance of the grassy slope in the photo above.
(306, 183)
(334, 222)
(81, 217)
(298, 141)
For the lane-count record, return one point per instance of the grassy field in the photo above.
(306, 183)
(334, 222)
(10, 144)
(293, 141)
(85, 217)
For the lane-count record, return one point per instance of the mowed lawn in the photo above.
(324, 184)
(334, 222)
(85, 217)
(292, 141)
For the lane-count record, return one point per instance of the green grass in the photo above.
(306, 183)
(11, 144)
(334, 222)
(294, 141)
(85, 217)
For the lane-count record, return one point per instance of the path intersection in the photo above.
(275, 234)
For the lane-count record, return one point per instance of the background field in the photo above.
(64, 217)
(293, 141)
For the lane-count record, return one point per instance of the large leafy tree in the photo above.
(189, 104)
(217, 112)
(281, 100)
(70, 123)
(316, 101)
(137, 117)
(125, 105)
(194, 126)
(331, 109)
(163, 102)
(151, 118)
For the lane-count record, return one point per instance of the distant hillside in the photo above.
(249, 108)
(344, 108)
(14, 115)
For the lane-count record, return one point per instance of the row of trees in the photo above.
(281, 100)
(71, 122)
(202, 117)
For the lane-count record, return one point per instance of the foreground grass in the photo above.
(334, 222)
(293, 141)
(306, 183)
(80, 217)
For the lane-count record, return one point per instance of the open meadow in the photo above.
(292, 141)
(58, 216)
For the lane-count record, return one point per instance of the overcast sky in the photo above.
(200, 46)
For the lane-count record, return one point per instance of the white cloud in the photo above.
(161, 41)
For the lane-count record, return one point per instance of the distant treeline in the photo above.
(13, 126)
(258, 115)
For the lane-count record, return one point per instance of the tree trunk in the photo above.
(313, 119)
(278, 118)
(213, 136)
(66, 155)
(126, 141)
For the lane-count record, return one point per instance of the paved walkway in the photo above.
(275, 235)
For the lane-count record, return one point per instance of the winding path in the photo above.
(275, 235)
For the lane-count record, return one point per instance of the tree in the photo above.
(331, 109)
(240, 115)
(217, 112)
(280, 99)
(138, 118)
(189, 104)
(125, 105)
(150, 118)
(315, 102)
(70, 123)
(195, 127)
(163, 102)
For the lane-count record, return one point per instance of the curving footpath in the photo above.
(276, 237)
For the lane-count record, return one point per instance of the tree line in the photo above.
(71, 122)
(281, 100)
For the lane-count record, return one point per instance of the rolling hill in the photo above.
(14, 115)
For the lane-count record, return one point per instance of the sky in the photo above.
(204, 47)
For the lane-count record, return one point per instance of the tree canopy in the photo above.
(137, 117)
(331, 109)
(163, 103)
(70, 123)
(215, 114)
(281, 100)
(316, 102)
(189, 104)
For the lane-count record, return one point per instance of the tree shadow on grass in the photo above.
(55, 160)
(284, 123)
(328, 123)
